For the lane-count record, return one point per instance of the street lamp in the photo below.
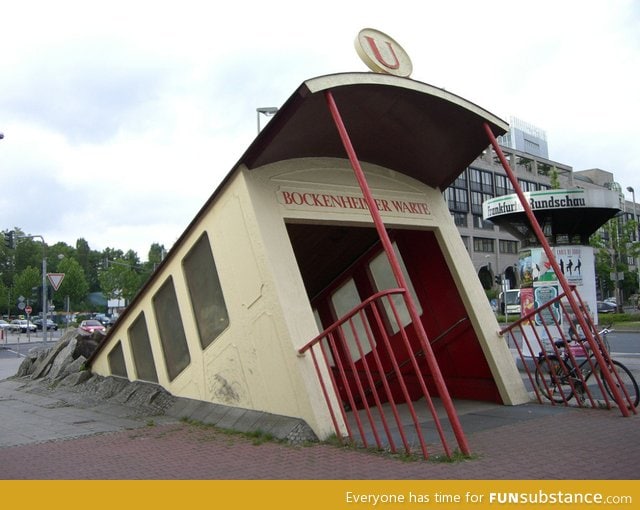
(635, 237)
(267, 111)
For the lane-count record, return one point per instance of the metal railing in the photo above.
(542, 336)
(376, 389)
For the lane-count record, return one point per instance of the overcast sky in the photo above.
(121, 118)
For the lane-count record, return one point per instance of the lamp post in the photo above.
(635, 237)
(267, 111)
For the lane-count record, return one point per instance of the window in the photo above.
(171, 330)
(326, 346)
(457, 199)
(531, 147)
(482, 244)
(508, 246)
(117, 366)
(503, 186)
(476, 201)
(207, 301)
(344, 300)
(461, 181)
(480, 222)
(384, 278)
(141, 350)
(481, 180)
(527, 185)
(460, 219)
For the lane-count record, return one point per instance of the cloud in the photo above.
(121, 118)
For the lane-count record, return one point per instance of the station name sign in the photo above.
(343, 202)
(538, 200)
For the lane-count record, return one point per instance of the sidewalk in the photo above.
(52, 434)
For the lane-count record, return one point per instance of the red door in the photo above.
(383, 338)
(445, 319)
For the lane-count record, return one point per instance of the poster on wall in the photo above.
(540, 285)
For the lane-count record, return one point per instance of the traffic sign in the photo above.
(55, 279)
(28, 310)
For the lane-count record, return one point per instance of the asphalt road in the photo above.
(624, 341)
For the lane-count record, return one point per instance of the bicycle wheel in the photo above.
(629, 382)
(552, 381)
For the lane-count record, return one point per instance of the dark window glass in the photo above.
(481, 180)
(508, 246)
(481, 244)
(141, 350)
(460, 219)
(117, 365)
(207, 301)
(480, 222)
(171, 330)
(503, 185)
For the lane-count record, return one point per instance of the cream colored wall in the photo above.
(254, 363)
(330, 175)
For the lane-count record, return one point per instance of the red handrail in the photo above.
(371, 380)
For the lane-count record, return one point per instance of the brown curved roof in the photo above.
(399, 123)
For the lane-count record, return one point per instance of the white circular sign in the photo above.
(382, 54)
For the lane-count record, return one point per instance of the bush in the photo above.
(606, 318)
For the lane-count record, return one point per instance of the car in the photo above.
(22, 326)
(102, 318)
(611, 300)
(50, 324)
(606, 307)
(4, 325)
(91, 326)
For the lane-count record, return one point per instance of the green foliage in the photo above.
(86, 271)
(555, 180)
(613, 247)
(26, 284)
(75, 283)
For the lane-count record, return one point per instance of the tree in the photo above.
(156, 254)
(73, 285)
(28, 283)
(81, 266)
(5, 297)
(120, 280)
(90, 261)
(614, 247)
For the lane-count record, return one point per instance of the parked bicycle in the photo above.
(603, 333)
(559, 378)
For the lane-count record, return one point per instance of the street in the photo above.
(14, 347)
(624, 341)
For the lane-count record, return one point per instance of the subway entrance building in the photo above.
(324, 279)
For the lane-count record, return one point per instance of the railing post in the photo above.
(397, 271)
(556, 268)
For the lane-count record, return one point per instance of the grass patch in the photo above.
(257, 437)
(457, 456)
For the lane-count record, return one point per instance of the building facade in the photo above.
(493, 250)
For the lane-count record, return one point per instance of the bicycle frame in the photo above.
(574, 373)
(564, 370)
